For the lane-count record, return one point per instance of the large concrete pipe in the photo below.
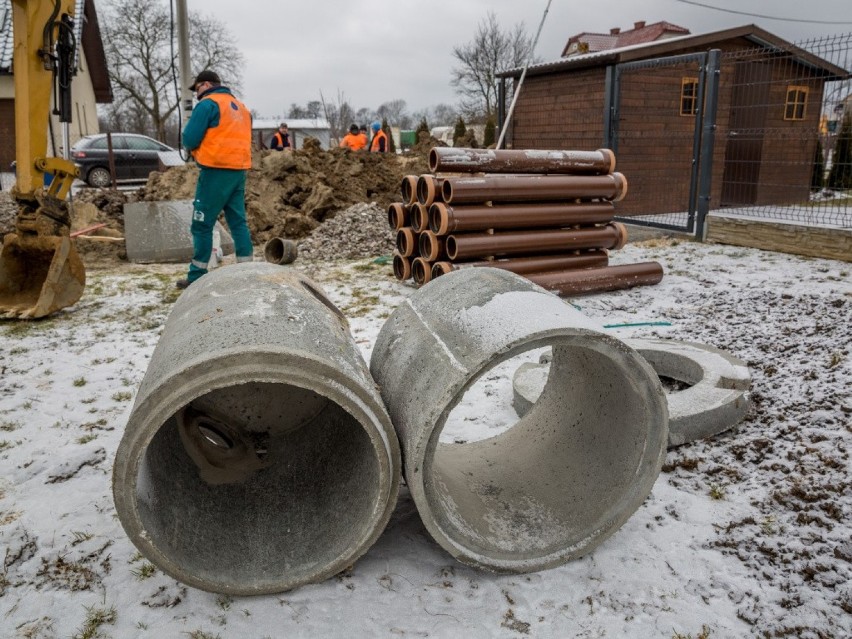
(258, 456)
(532, 188)
(444, 219)
(563, 478)
(538, 264)
(604, 278)
(468, 245)
(452, 159)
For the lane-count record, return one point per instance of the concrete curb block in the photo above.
(562, 479)
(717, 399)
(258, 456)
(159, 232)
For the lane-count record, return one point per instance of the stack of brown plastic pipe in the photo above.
(546, 215)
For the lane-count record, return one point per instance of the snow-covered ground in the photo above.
(749, 534)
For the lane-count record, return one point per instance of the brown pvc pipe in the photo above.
(409, 189)
(467, 245)
(421, 270)
(607, 278)
(444, 218)
(406, 241)
(428, 189)
(598, 162)
(431, 246)
(532, 188)
(538, 264)
(419, 217)
(401, 266)
(398, 216)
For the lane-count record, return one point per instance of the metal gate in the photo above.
(668, 160)
(761, 133)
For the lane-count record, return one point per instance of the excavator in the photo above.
(40, 269)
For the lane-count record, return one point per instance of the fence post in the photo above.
(708, 141)
(610, 115)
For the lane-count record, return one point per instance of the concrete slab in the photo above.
(716, 400)
(159, 232)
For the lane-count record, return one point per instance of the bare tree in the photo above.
(438, 115)
(491, 51)
(338, 114)
(142, 59)
(312, 110)
(395, 112)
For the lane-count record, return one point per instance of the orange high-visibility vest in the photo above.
(227, 146)
(354, 142)
(375, 145)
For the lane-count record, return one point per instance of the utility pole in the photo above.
(182, 20)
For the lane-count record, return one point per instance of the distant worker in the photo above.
(281, 139)
(352, 140)
(362, 131)
(380, 139)
(218, 135)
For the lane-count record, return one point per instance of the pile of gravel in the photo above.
(360, 231)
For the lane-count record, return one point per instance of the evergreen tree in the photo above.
(386, 128)
(459, 131)
(422, 127)
(490, 135)
(840, 176)
(818, 175)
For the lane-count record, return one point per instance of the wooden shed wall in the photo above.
(564, 110)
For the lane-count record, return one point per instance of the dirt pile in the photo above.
(290, 194)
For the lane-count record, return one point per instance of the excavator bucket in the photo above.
(39, 275)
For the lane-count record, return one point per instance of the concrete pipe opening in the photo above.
(534, 492)
(258, 457)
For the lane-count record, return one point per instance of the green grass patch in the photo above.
(95, 618)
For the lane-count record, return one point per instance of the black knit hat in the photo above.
(205, 76)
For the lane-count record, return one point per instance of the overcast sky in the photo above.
(375, 51)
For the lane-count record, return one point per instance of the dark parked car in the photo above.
(135, 157)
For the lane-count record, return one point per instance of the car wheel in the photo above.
(99, 177)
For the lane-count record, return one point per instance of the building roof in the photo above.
(292, 123)
(675, 45)
(88, 35)
(591, 42)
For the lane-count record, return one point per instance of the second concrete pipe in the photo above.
(569, 473)
(259, 455)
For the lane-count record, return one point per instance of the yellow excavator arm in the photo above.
(40, 270)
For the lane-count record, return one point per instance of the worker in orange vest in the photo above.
(362, 131)
(281, 139)
(352, 140)
(380, 139)
(218, 134)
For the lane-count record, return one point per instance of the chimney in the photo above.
(614, 31)
(638, 25)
